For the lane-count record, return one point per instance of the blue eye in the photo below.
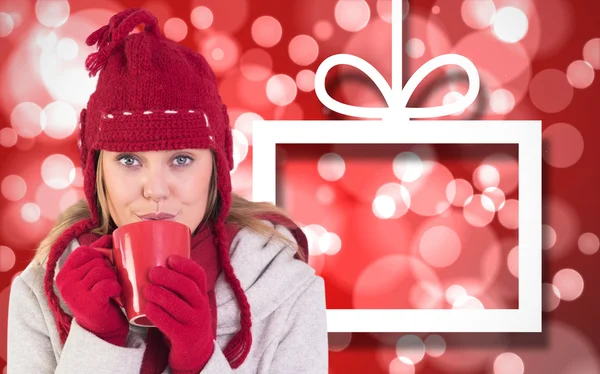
(182, 160)
(127, 160)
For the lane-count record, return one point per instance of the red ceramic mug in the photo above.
(137, 248)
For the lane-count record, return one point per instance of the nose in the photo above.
(156, 186)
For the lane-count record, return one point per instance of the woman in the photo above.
(155, 143)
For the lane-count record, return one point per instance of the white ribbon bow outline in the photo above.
(397, 99)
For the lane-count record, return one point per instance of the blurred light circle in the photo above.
(407, 166)
(509, 214)
(428, 192)
(486, 176)
(563, 145)
(338, 341)
(435, 345)
(305, 80)
(384, 10)
(281, 89)
(266, 31)
(548, 237)
(7, 258)
(77, 176)
(453, 97)
(52, 13)
(303, 50)
(30, 212)
(455, 292)
(550, 80)
(415, 48)
(8, 137)
(508, 169)
(244, 124)
(588, 243)
(580, 74)
(331, 167)
(475, 211)
(410, 349)
(46, 39)
(240, 146)
(458, 192)
(61, 120)
(550, 297)
(67, 49)
(69, 198)
(28, 120)
(57, 171)
(256, 64)
(384, 207)
(440, 246)
(478, 14)
(399, 194)
(175, 29)
(435, 9)
(591, 53)
(495, 199)
(502, 101)
(323, 30)
(201, 17)
(352, 15)
(398, 366)
(13, 187)
(330, 243)
(512, 261)
(467, 302)
(508, 363)
(6, 24)
(221, 52)
(510, 24)
(313, 235)
(565, 223)
(569, 283)
(325, 195)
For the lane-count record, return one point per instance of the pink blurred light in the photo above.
(397, 196)
(485, 176)
(175, 29)
(305, 80)
(564, 145)
(244, 124)
(569, 283)
(201, 17)
(580, 74)
(6, 24)
(339, 341)
(415, 48)
(478, 14)
(323, 30)
(57, 171)
(303, 50)
(266, 31)
(510, 24)
(61, 120)
(458, 192)
(77, 177)
(502, 101)
(507, 168)
(352, 15)
(331, 167)
(548, 237)
(256, 64)
(52, 13)
(495, 199)
(8, 137)
(48, 201)
(435, 345)
(550, 297)
(221, 52)
(281, 89)
(410, 349)
(475, 211)
(512, 261)
(508, 363)
(28, 120)
(397, 366)
(564, 220)
(428, 191)
(229, 15)
(508, 215)
(588, 243)
(591, 53)
(440, 246)
(30, 212)
(7, 258)
(13, 187)
(555, 81)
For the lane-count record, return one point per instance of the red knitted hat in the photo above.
(152, 94)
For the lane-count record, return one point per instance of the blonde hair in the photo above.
(243, 213)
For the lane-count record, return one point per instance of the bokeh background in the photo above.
(390, 226)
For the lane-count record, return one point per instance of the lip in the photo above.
(156, 216)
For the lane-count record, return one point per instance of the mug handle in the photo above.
(108, 254)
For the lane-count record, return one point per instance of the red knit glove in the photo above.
(87, 284)
(178, 306)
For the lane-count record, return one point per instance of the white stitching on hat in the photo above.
(211, 138)
(170, 111)
(206, 119)
(190, 111)
(110, 116)
(148, 112)
(127, 113)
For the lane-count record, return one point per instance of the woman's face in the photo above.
(170, 185)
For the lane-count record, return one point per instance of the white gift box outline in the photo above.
(396, 127)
